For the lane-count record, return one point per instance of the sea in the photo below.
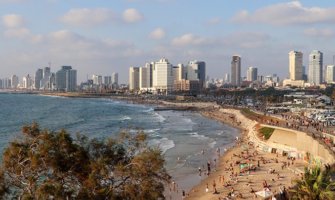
(187, 139)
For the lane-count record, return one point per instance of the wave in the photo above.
(212, 144)
(188, 121)
(151, 130)
(163, 144)
(196, 135)
(149, 110)
(124, 118)
(220, 133)
(160, 117)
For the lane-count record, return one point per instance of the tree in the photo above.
(315, 184)
(52, 165)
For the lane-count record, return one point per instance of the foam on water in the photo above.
(164, 144)
(124, 118)
(196, 135)
(160, 117)
(188, 121)
(212, 144)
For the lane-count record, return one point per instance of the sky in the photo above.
(101, 37)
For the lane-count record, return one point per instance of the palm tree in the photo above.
(316, 184)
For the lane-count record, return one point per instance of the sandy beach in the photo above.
(261, 170)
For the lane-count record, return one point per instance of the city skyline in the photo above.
(103, 37)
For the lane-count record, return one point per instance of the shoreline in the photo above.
(226, 116)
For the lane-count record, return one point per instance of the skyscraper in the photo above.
(107, 80)
(295, 65)
(252, 74)
(45, 81)
(196, 70)
(97, 79)
(27, 82)
(66, 79)
(236, 71)
(38, 78)
(134, 78)
(162, 78)
(315, 67)
(227, 78)
(330, 76)
(14, 81)
(115, 78)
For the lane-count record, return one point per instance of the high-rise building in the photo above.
(44, 83)
(27, 82)
(46, 72)
(295, 65)
(71, 80)
(227, 78)
(162, 75)
(14, 81)
(38, 78)
(252, 74)
(66, 79)
(145, 76)
(315, 67)
(134, 78)
(236, 71)
(330, 76)
(115, 78)
(107, 80)
(196, 70)
(5, 83)
(97, 79)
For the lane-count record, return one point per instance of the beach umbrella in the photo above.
(264, 194)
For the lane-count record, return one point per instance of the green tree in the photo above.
(52, 165)
(314, 185)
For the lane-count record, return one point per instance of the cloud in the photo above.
(319, 33)
(290, 13)
(214, 21)
(189, 39)
(87, 17)
(132, 15)
(13, 21)
(157, 34)
(17, 33)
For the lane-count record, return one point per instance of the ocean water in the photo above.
(187, 139)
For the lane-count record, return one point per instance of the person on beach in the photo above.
(214, 186)
(208, 168)
(207, 187)
(199, 171)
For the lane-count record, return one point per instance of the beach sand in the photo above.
(227, 176)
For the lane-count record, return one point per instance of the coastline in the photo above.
(231, 118)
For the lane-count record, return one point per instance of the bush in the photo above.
(53, 165)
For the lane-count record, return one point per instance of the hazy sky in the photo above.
(101, 37)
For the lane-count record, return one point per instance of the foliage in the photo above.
(52, 165)
(266, 132)
(315, 184)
